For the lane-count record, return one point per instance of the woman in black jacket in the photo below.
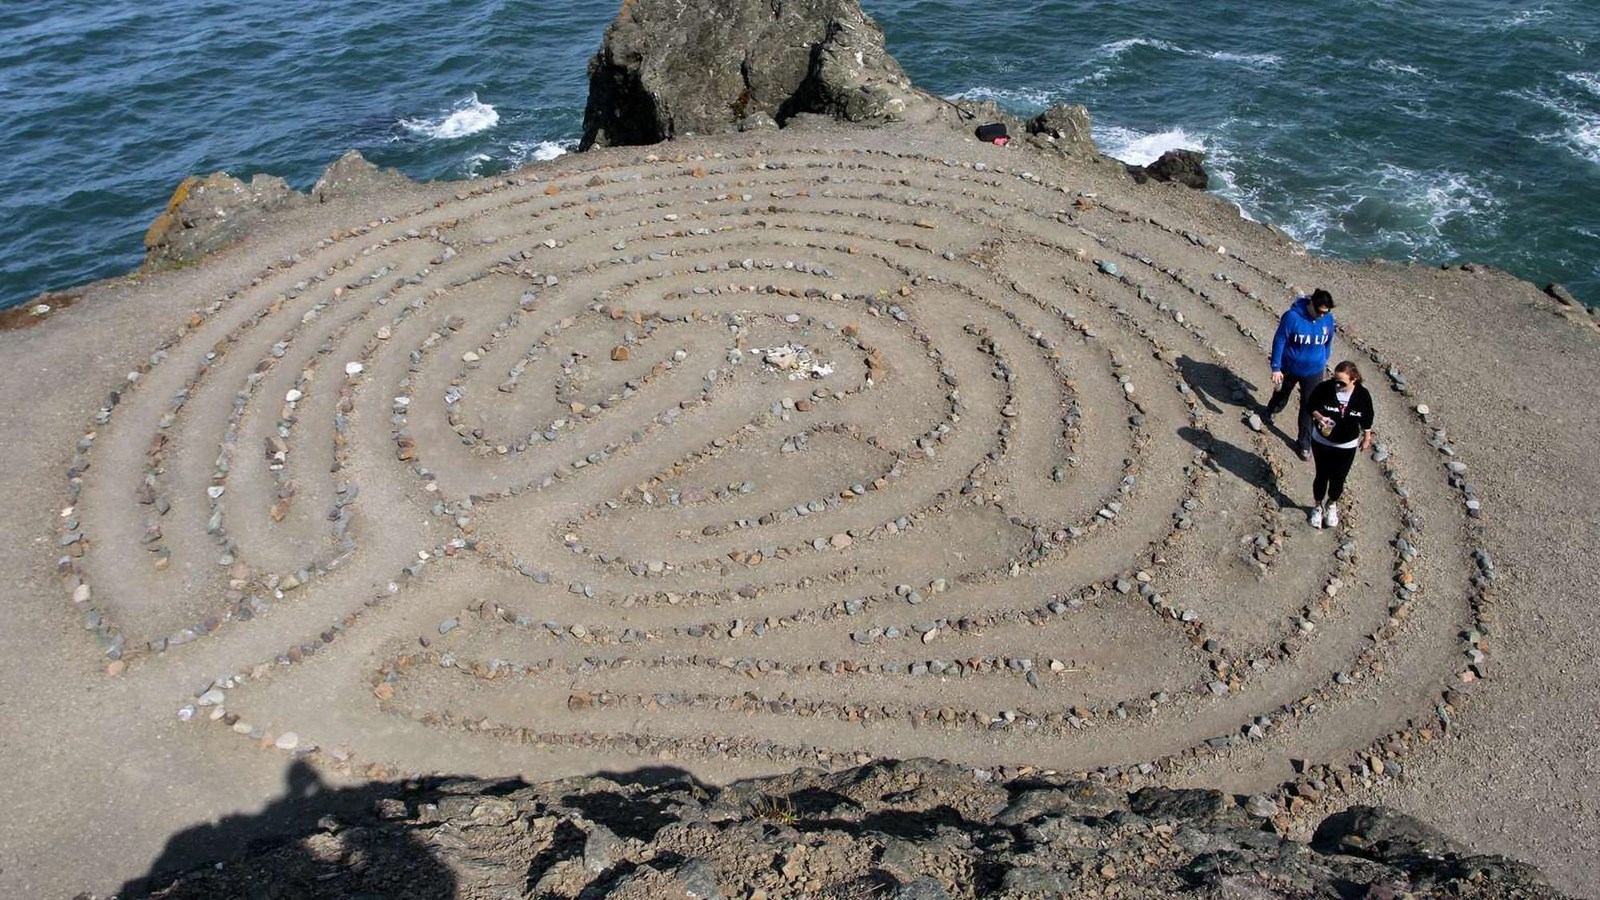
(1341, 409)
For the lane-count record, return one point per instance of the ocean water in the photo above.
(1432, 130)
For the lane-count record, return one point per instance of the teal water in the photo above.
(1405, 129)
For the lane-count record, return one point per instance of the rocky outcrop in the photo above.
(206, 214)
(352, 175)
(1066, 126)
(915, 829)
(1185, 167)
(675, 67)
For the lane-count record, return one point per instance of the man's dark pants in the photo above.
(1280, 399)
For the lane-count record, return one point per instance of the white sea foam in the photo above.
(524, 152)
(1116, 49)
(1141, 148)
(1390, 67)
(1519, 19)
(1249, 59)
(469, 116)
(1589, 81)
(1526, 17)
(1009, 98)
(1440, 194)
(1581, 121)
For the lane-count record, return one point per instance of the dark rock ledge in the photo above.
(914, 829)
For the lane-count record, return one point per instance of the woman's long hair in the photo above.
(1349, 368)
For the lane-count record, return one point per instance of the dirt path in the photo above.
(511, 479)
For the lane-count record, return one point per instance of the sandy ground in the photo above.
(529, 513)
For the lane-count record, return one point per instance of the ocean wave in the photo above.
(469, 116)
(474, 164)
(1522, 18)
(1392, 210)
(1589, 81)
(1581, 131)
(524, 152)
(1525, 17)
(1115, 50)
(1390, 67)
(1009, 98)
(1140, 148)
(1440, 194)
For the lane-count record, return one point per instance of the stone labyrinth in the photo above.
(764, 458)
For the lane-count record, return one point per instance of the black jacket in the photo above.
(1349, 422)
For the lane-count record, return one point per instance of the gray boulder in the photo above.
(675, 67)
(206, 214)
(1066, 125)
(352, 175)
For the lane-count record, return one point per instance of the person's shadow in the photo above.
(1239, 462)
(372, 842)
(1214, 384)
(266, 857)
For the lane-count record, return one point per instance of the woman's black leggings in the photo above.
(1333, 465)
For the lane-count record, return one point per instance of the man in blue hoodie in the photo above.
(1300, 357)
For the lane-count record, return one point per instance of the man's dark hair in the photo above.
(1321, 298)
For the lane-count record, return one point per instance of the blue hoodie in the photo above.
(1303, 342)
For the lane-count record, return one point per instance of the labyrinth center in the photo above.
(756, 458)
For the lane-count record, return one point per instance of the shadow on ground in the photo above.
(367, 842)
(1239, 462)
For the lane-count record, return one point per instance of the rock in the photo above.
(352, 175)
(698, 879)
(620, 353)
(912, 829)
(1167, 803)
(1262, 806)
(206, 214)
(601, 849)
(1186, 167)
(923, 888)
(1561, 295)
(676, 67)
(1068, 125)
(287, 741)
(1380, 835)
(1078, 798)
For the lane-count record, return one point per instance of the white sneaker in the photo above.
(1333, 515)
(1316, 517)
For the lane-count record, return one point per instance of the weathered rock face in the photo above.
(1186, 167)
(206, 214)
(353, 175)
(913, 830)
(676, 67)
(1065, 124)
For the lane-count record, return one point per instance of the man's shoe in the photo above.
(1333, 515)
(1316, 517)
